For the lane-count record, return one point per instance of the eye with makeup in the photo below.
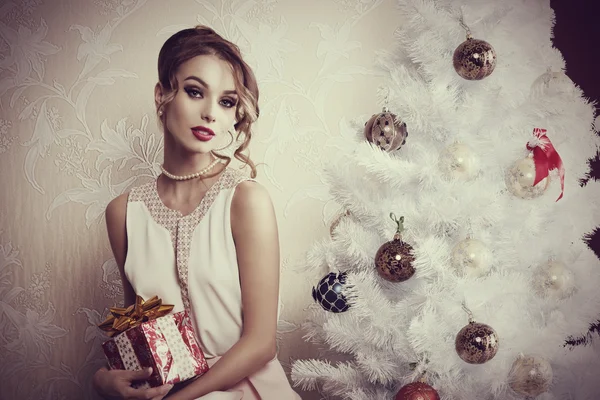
(196, 93)
(193, 92)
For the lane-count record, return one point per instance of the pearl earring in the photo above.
(160, 113)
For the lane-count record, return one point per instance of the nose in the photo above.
(208, 112)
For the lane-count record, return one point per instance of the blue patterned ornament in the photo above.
(329, 293)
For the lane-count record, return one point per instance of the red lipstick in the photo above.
(203, 133)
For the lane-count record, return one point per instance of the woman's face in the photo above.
(204, 108)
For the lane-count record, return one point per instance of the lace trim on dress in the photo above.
(181, 227)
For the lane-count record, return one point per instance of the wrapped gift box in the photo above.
(167, 344)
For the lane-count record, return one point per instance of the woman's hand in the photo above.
(116, 384)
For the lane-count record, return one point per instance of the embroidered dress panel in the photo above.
(166, 248)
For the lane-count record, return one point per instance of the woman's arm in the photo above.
(116, 218)
(116, 384)
(254, 229)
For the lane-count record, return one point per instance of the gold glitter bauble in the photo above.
(474, 59)
(530, 375)
(476, 343)
(386, 131)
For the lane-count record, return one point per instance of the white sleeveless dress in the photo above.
(164, 246)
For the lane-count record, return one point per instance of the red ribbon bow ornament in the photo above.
(545, 158)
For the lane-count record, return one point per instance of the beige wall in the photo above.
(77, 128)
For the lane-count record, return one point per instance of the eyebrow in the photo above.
(200, 81)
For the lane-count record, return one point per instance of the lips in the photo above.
(202, 133)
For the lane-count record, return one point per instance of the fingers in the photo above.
(147, 394)
(141, 374)
(99, 381)
(165, 390)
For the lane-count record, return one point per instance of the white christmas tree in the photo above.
(486, 245)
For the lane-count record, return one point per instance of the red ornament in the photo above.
(417, 391)
(546, 158)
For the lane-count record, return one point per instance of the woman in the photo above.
(206, 226)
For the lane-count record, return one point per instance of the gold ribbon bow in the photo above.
(141, 311)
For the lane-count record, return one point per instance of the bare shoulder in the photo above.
(251, 207)
(250, 194)
(117, 208)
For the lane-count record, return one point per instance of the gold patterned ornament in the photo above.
(471, 258)
(122, 319)
(530, 375)
(394, 259)
(386, 131)
(553, 280)
(474, 59)
(458, 161)
(476, 343)
(520, 179)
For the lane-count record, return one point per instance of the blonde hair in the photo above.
(201, 40)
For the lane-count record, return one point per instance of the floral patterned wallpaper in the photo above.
(77, 128)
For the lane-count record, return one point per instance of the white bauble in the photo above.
(553, 280)
(520, 177)
(530, 375)
(458, 161)
(552, 83)
(471, 258)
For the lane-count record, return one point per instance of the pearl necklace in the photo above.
(190, 176)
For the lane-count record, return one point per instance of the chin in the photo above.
(195, 149)
(202, 149)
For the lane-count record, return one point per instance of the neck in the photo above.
(184, 164)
